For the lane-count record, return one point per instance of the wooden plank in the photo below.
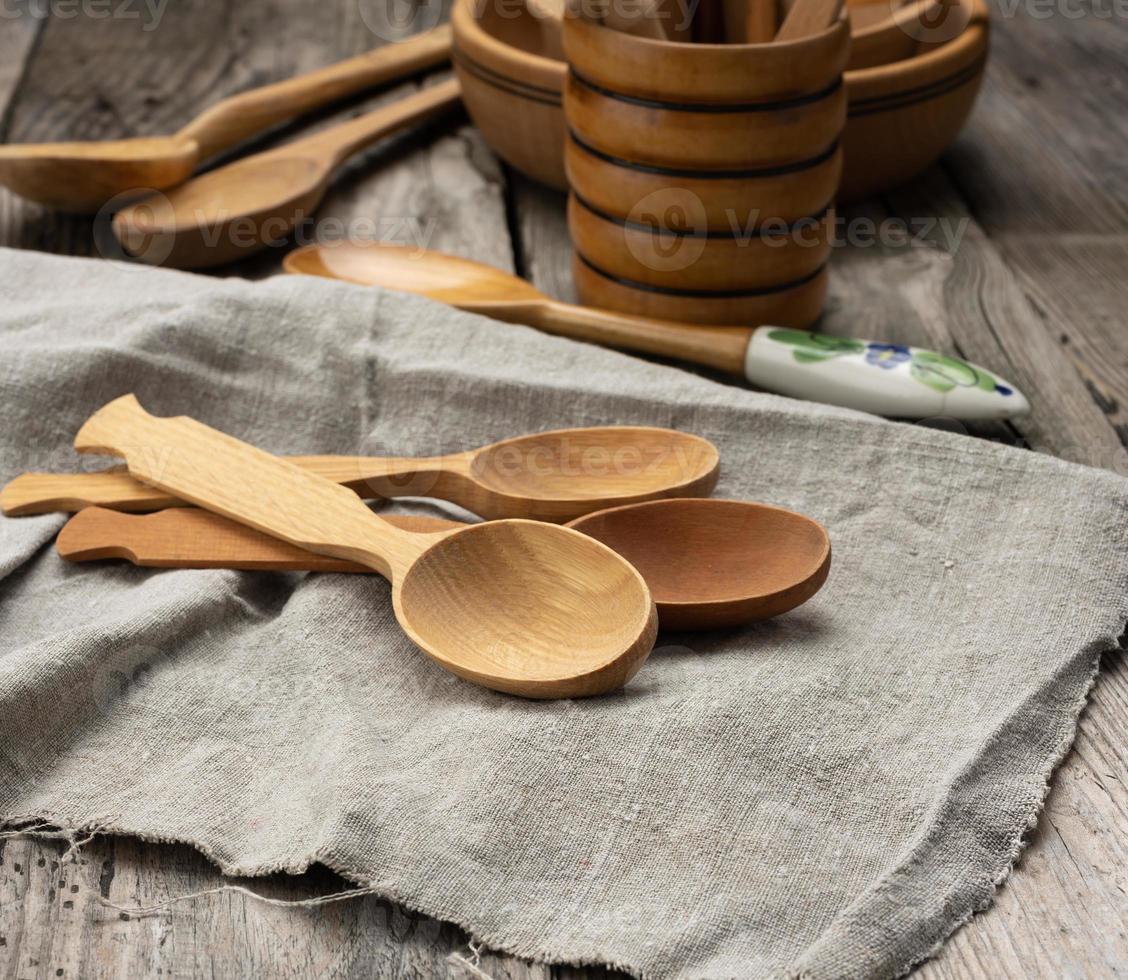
(1043, 167)
(17, 41)
(993, 321)
(541, 239)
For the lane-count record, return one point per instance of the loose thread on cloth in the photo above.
(307, 903)
(75, 838)
(471, 967)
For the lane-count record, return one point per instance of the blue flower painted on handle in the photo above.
(887, 356)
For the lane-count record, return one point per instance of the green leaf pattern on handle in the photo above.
(938, 371)
(812, 347)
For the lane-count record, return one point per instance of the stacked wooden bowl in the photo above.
(702, 175)
(909, 91)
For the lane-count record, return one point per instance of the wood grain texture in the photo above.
(235, 210)
(499, 603)
(708, 563)
(1040, 171)
(550, 476)
(479, 288)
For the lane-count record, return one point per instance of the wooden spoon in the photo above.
(886, 379)
(518, 606)
(234, 211)
(82, 177)
(807, 17)
(708, 563)
(549, 476)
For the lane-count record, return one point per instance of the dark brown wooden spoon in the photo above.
(708, 563)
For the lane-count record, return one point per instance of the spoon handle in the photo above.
(367, 476)
(886, 379)
(233, 120)
(717, 347)
(213, 470)
(187, 537)
(338, 143)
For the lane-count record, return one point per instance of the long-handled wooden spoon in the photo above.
(708, 563)
(82, 177)
(236, 210)
(886, 379)
(518, 606)
(548, 476)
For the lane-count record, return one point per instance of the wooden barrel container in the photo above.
(702, 175)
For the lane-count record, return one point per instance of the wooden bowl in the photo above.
(511, 87)
(795, 305)
(881, 35)
(652, 254)
(900, 116)
(710, 106)
(729, 200)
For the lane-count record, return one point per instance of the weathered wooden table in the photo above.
(1021, 267)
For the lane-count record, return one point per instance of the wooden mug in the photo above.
(681, 157)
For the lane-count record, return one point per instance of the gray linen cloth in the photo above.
(828, 794)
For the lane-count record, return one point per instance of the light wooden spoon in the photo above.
(518, 606)
(236, 210)
(549, 476)
(886, 379)
(708, 563)
(82, 177)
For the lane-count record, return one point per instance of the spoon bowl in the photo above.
(224, 214)
(717, 563)
(82, 177)
(571, 625)
(559, 469)
(445, 278)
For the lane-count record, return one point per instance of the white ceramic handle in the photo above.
(886, 379)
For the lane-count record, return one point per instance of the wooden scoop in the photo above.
(886, 379)
(234, 211)
(82, 177)
(708, 563)
(548, 476)
(518, 606)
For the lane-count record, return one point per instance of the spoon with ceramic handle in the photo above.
(886, 379)
(547, 476)
(519, 606)
(708, 563)
(81, 177)
(238, 209)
